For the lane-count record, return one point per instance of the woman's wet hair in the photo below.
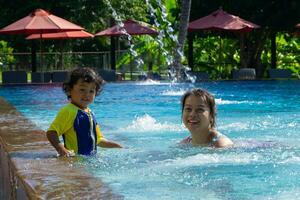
(87, 75)
(207, 98)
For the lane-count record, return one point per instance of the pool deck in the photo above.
(29, 168)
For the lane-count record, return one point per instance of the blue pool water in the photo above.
(261, 117)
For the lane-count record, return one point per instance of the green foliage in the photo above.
(279, 16)
(156, 52)
(6, 57)
(213, 53)
(216, 55)
(173, 9)
(148, 50)
(287, 50)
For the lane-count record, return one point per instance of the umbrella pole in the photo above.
(112, 53)
(220, 52)
(130, 67)
(41, 56)
(33, 56)
(273, 50)
(61, 55)
(242, 51)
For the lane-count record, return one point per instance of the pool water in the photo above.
(261, 117)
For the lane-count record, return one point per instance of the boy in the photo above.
(75, 122)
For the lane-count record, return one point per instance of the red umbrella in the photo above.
(39, 22)
(130, 27)
(61, 35)
(297, 33)
(221, 20)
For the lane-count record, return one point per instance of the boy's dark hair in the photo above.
(87, 75)
(207, 98)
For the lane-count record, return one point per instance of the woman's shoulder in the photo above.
(221, 140)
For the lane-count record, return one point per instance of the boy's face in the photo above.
(83, 93)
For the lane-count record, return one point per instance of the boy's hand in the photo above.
(63, 152)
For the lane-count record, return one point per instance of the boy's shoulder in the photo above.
(69, 108)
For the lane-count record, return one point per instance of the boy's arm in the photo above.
(54, 140)
(108, 144)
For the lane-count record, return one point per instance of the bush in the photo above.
(6, 57)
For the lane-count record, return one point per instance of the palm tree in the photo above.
(183, 25)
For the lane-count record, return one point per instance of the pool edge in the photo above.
(25, 156)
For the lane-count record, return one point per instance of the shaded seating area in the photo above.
(14, 77)
(59, 76)
(41, 77)
(150, 75)
(244, 74)
(20, 77)
(280, 73)
(108, 75)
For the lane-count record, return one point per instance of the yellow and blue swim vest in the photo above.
(79, 129)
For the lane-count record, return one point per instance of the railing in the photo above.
(58, 60)
(62, 61)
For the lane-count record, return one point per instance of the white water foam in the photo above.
(235, 126)
(146, 123)
(294, 193)
(219, 101)
(223, 102)
(150, 82)
(215, 159)
(173, 92)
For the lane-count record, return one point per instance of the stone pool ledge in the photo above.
(29, 168)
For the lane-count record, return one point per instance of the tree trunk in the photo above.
(190, 51)
(183, 25)
(251, 50)
(255, 58)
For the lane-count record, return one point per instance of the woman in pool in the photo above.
(199, 117)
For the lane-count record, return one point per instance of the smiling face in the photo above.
(196, 115)
(83, 93)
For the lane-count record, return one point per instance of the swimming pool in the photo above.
(262, 118)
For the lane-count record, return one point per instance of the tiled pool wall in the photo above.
(29, 168)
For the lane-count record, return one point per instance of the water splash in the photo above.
(138, 61)
(146, 123)
(150, 82)
(166, 31)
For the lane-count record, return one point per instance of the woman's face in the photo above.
(196, 114)
(83, 93)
